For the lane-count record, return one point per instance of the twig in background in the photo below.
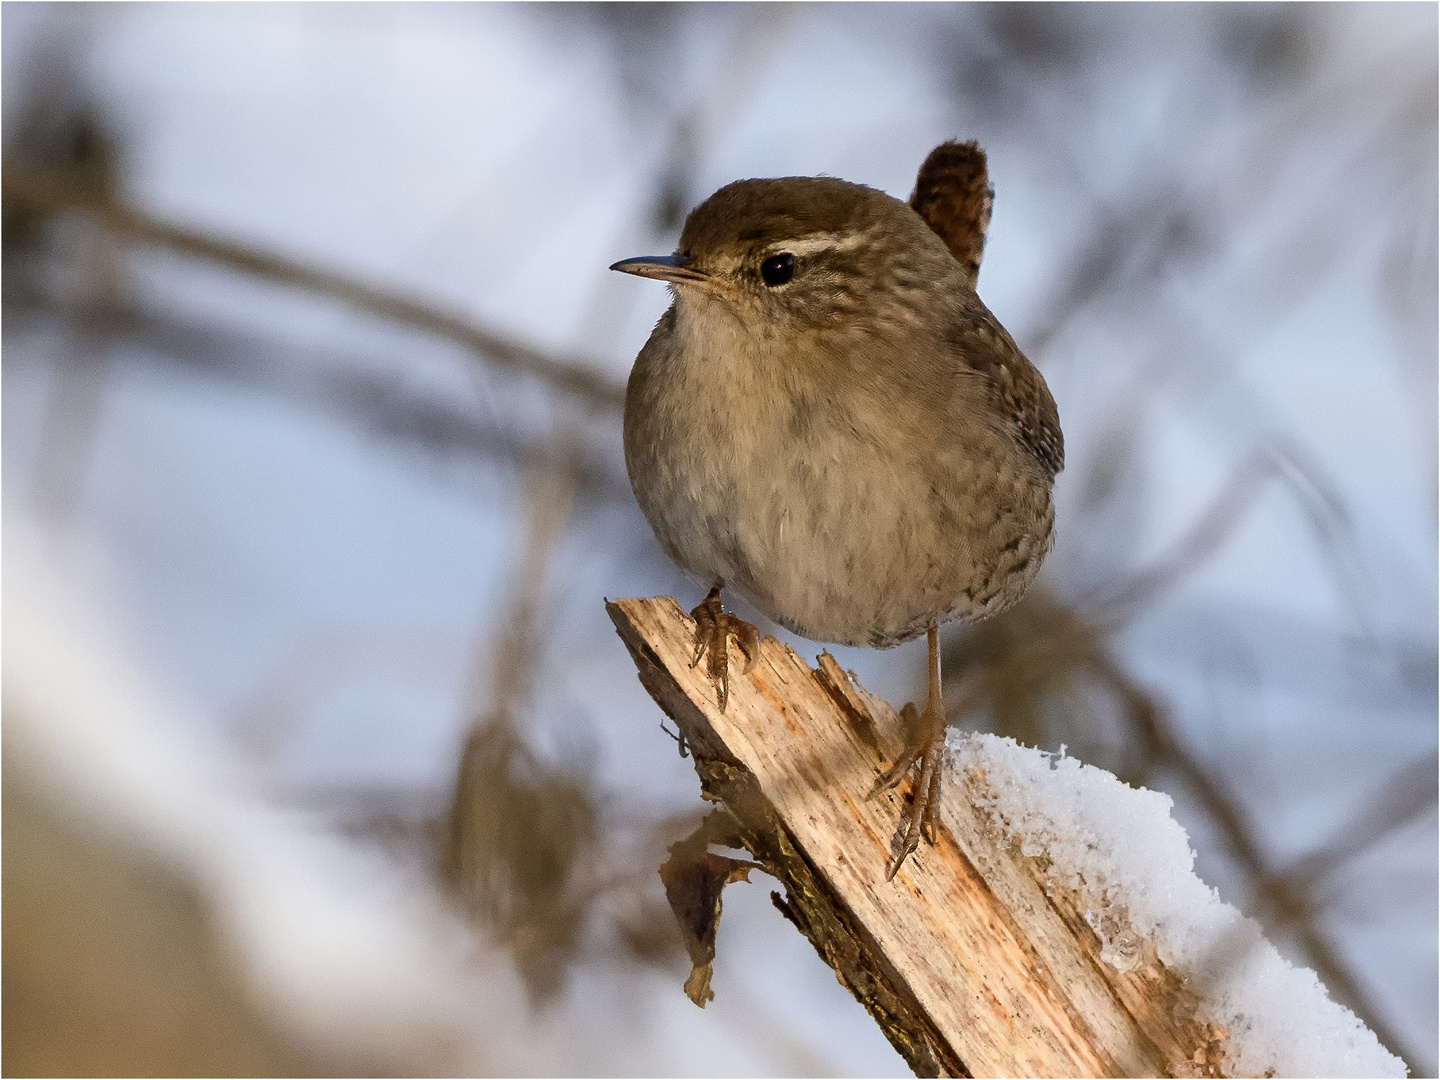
(43, 192)
(346, 387)
(66, 131)
(1281, 459)
(518, 826)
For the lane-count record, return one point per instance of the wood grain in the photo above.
(968, 960)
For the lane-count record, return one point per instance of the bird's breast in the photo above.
(842, 515)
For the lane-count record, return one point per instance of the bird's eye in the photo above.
(778, 269)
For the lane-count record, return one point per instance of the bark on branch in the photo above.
(970, 962)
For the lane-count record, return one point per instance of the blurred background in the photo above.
(321, 753)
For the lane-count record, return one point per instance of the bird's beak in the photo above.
(674, 268)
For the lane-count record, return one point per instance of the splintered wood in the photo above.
(968, 960)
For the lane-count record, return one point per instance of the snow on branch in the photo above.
(1055, 929)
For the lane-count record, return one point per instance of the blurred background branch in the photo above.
(40, 194)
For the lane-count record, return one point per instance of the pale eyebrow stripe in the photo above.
(809, 245)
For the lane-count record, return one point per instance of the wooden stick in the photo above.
(965, 960)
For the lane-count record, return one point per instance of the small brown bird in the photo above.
(830, 421)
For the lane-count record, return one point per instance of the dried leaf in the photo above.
(694, 879)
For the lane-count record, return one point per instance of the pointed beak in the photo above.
(674, 268)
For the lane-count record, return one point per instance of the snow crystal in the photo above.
(1131, 864)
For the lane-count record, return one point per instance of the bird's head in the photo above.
(803, 252)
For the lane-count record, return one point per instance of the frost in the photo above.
(1130, 862)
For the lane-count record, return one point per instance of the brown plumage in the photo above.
(830, 421)
(954, 197)
(953, 194)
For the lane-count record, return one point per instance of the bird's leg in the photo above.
(713, 628)
(927, 751)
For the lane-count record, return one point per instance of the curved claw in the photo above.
(919, 818)
(932, 801)
(748, 638)
(902, 847)
(893, 775)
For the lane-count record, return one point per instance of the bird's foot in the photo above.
(714, 627)
(925, 754)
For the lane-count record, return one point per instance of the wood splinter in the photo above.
(969, 960)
